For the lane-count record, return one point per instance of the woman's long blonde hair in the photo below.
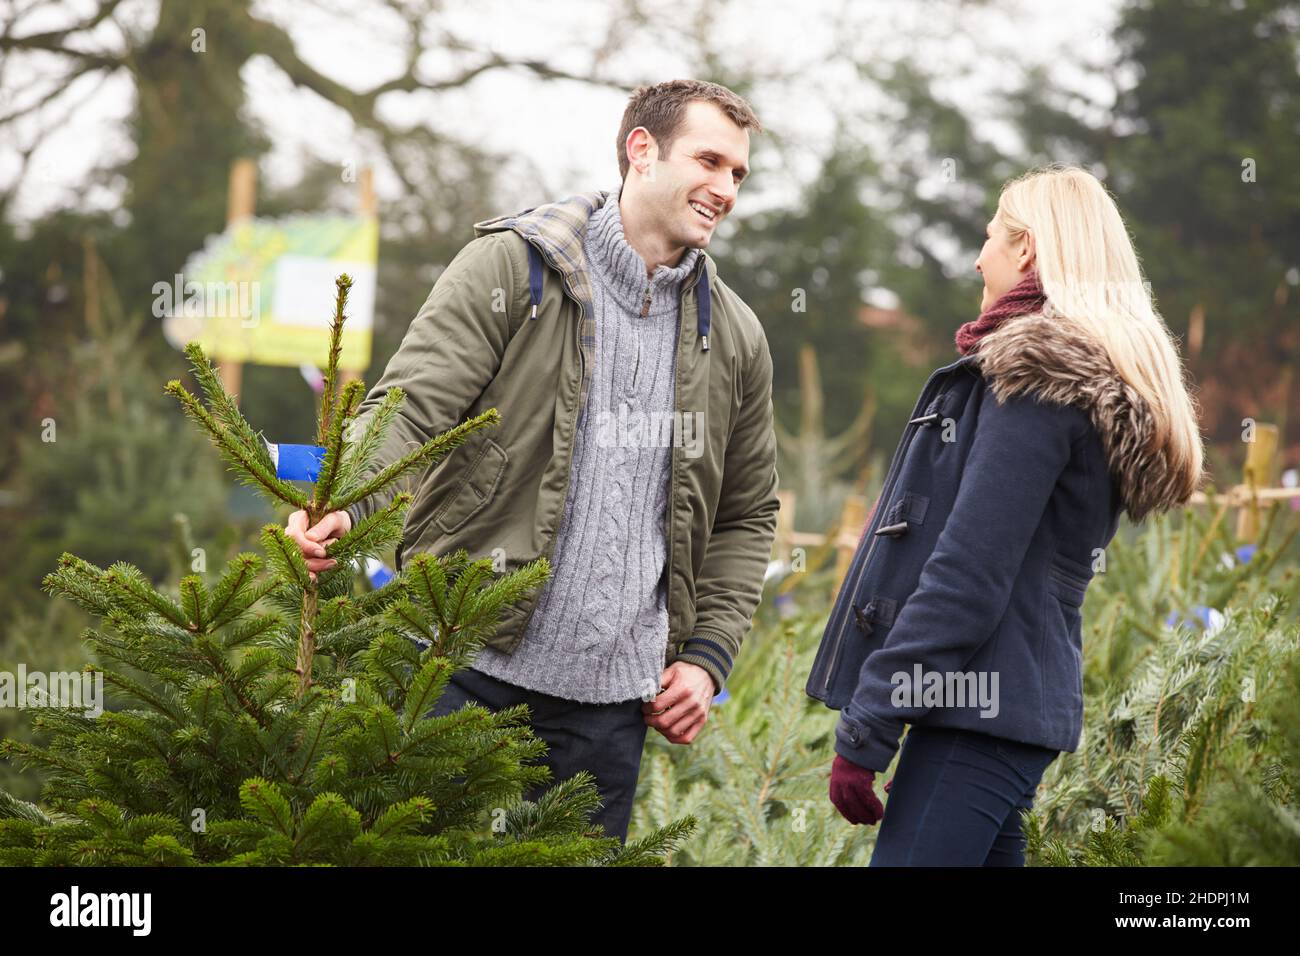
(1090, 273)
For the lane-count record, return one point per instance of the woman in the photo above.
(960, 614)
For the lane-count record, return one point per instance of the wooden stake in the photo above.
(241, 201)
(852, 518)
(784, 544)
(368, 206)
(1261, 455)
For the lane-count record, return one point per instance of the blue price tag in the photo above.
(297, 462)
(378, 573)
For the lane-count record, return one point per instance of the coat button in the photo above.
(893, 530)
(925, 419)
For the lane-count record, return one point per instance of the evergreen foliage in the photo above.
(268, 717)
(1191, 739)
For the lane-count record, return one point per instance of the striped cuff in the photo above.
(710, 652)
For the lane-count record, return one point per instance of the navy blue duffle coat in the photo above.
(961, 607)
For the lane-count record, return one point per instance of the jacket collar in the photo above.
(557, 228)
(1038, 355)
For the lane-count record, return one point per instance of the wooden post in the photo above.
(368, 206)
(366, 184)
(242, 198)
(852, 517)
(1195, 332)
(783, 544)
(1261, 455)
(241, 201)
(95, 324)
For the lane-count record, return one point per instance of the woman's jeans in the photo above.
(956, 800)
(604, 739)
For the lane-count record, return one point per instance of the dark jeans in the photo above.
(603, 739)
(956, 800)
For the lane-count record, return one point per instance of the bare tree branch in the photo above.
(278, 45)
(56, 41)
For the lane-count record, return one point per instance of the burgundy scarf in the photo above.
(1025, 298)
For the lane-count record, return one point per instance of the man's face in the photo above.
(707, 162)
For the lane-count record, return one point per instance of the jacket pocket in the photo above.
(1068, 580)
(1062, 660)
(474, 489)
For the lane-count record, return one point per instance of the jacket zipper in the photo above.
(672, 459)
(857, 570)
(672, 490)
(568, 465)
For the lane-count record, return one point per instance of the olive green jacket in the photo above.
(473, 346)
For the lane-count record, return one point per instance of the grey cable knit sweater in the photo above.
(599, 633)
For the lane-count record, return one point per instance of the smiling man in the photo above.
(572, 319)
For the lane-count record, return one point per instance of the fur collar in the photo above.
(1034, 354)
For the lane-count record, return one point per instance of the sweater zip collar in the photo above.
(556, 229)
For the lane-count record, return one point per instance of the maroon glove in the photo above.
(853, 792)
(888, 785)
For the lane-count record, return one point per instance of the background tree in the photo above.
(1200, 148)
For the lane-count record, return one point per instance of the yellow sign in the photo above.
(263, 291)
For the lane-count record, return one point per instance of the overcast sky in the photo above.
(565, 129)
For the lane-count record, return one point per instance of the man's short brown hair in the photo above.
(661, 109)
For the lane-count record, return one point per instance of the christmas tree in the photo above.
(272, 716)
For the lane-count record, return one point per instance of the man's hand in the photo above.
(312, 541)
(682, 706)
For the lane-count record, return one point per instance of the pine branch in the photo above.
(194, 601)
(145, 695)
(342, 286)
(136, 595)
(402, 817)
(81, 582)
(479, 618)
(285, 556)
(364, 449)
(334, 447)
(375, 533)
(426, 578)
(237, 590)
(224, 409)
(247, 465)
(651, 850)
(427, 453)
(410, 619)
(250, 630)
(312, 738)
(425, 689)
(11, 808)
(264, 800)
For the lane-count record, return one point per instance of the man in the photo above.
(635, 450)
